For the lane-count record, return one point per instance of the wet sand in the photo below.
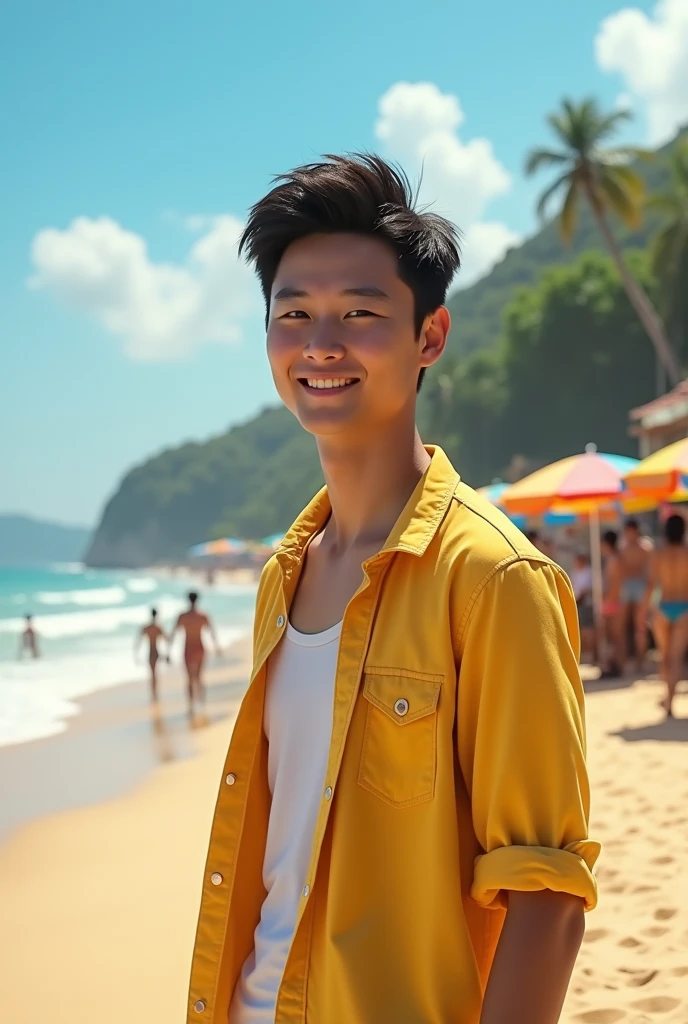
(99, 903)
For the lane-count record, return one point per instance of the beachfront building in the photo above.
(661, 421)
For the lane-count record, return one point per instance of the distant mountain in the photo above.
(28, 541)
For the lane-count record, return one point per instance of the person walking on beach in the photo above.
(634, 559)
(581, 581)
(193, 623)
(153, 633)
(669, 575)
(611, 605)
(28, 642)
(401, 832)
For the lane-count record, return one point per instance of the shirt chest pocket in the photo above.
(399, 752)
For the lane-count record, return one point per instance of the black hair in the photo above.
(193, 597)
(359, 194)
(532, 536)
(610, 537)
(28, 618)
(632, 524)
(154, 613)
(675, 529)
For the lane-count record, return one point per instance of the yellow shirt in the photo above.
(456, 771)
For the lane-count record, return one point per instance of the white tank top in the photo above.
(299, 705)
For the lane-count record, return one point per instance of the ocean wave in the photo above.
(141, 585)
(98, 620)
(95, 595)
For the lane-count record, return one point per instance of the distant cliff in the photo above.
(28, 541)
(248, 482)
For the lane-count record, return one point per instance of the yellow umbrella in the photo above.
(661, 474)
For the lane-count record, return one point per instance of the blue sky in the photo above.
(137, 134)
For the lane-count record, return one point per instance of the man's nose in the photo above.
(323, 345)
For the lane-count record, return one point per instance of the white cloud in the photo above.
(651, 55)
(418, 125)
(161, 311)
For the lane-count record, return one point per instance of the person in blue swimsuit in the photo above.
(669, 575)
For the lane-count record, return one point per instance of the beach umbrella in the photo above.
(494, 492)
(583, 484)
(662, 474)
(218, 548)
(272, 542)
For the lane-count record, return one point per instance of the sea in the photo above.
(87, 621)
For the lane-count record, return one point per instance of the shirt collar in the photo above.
(413, 530)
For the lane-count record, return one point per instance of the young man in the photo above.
(612, 612)
(153, 633)
(192, 623)
(401, 830)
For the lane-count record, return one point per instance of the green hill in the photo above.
(253, 479)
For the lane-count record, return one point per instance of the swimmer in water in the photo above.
(29, 640)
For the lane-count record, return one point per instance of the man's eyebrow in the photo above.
(290, 293)
(366, 291)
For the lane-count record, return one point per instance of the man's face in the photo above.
(341, 340)
(631, 534)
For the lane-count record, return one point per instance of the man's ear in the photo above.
(433, 336)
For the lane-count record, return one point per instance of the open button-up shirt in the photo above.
(456, 772)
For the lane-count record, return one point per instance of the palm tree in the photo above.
(604, 179)
(670, 245)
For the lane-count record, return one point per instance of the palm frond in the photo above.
(608, 124)
(665, 252)
(538, 158)
(630, 181)
(549, 193)
(664, 202)
(614, 195)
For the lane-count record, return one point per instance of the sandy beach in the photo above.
(99, 902)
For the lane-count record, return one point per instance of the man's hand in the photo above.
(532, 967)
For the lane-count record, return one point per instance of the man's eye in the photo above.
(359, 312)
(294, 314)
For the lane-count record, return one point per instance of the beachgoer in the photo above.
(193, 622)
(406, 773)
(540, 542)
(634, 557)
(611, 605)
(581, 581)
(28, 641)
(669, 574)
(153, 634)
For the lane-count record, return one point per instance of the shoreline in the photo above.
(114, 742)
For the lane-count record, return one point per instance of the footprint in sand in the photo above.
(638, 977)
(594, 934)
(644, 888)
(630, 943)
(608, 1016)
(680, 972)
(660, 860)
(665, 913)
(614, 889)
(655, 933)
(657, 1004)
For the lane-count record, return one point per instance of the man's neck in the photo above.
(369, 482)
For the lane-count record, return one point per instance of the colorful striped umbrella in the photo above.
(217, 548)
(661, 475)
(494, 492)
(580, 483)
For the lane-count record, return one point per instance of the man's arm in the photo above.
(213, 634)
(532, 967)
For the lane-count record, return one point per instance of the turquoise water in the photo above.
(87, 621)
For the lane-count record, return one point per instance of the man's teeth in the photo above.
(333, 382)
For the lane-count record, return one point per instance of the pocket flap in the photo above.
(403, 695)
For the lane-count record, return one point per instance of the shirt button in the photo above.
(306, 890)
(280, 621)
(216, 878)
(328, 792)
(230, 779)
(401, 707)
(199, 1006)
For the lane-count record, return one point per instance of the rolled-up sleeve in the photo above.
(521, 736)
